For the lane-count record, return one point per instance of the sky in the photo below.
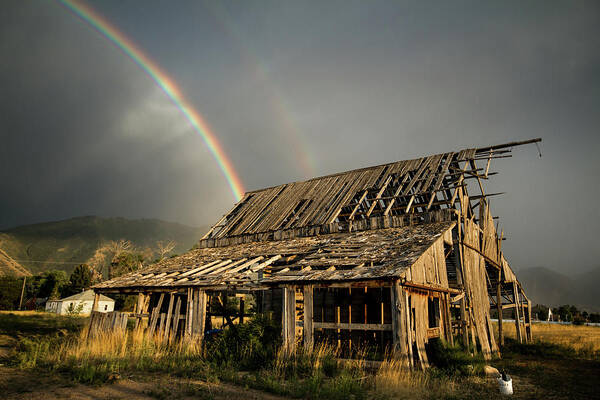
(295, 89)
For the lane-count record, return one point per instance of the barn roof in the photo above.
(372, 254)
(399, 188)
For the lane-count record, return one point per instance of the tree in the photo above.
(124, 263)
(113, 249)
(52, 284)
(165, 248)
(10, 291)
(540, 311)
(73, 310)
(81, 279)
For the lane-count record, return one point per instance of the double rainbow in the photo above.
(166, 83)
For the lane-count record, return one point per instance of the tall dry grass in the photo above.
(583, 340)
(96, 359)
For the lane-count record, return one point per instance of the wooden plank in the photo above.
(266, 263)
(155, 314)
(225, 268)
(499, 308)
(165, 332)
(189, 314)
(399, 320)
(352, 326)
(375, 201)
(138, 309)
(96, 301)
(245, 265)
(197, 269)
(308, 317)
(176, 317)
(528, 329)
(288, 316)
(517, 317)
(200, 315)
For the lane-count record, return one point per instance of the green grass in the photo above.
(17, 323)
(250, 358)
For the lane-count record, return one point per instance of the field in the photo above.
(42, 356)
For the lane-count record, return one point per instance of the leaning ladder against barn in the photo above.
(399, 253)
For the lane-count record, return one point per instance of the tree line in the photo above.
(565, 313)
(110, 260)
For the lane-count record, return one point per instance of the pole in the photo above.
(22, 292)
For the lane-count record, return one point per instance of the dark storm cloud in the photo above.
(84, 131)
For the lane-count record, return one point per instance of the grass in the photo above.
(570, 340)
(251, 358)
(33, 323)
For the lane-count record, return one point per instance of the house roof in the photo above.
(87, 295)
(372, 254)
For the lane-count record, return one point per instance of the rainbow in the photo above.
(277, 100)
(167, 85)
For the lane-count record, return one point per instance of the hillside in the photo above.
(545, 286)
(8, 266)
(45, 246)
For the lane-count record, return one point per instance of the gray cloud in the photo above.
(85, 132)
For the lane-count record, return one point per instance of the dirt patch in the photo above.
(25, 385)
(7, 346)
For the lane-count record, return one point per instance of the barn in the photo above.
(389, 257)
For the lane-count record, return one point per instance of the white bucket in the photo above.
(505, 386)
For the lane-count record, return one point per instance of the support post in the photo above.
(499, 306)
(517, 318)
(139, 306)
(189, 314)
(288, 316)
(241, 319)
(176, 317)
(166, 332)
(529, 326)
(156, 314)
(96, 301)
(448, 324)
(399, 323)
(22, 292)
(308, 317)
(200, 313)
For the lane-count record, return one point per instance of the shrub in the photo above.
(454, 360)
(251, 345)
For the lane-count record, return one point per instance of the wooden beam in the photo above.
(308, 317)
(358, 204)
(499, 307)
(517, 317)
(189, 314)
(432, 288)
(200, 314)
(399, 321)
(374, 203)
(165, 333)
(528, 328)
(288, 316)
(155, 314)
(353, 326)
(176, 317)
(96, 301)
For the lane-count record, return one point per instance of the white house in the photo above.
(80, 303)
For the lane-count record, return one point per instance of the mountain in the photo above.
(8, 266)
(545, 286)
(63, 244)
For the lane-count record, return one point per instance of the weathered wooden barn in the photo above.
(389, 256)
